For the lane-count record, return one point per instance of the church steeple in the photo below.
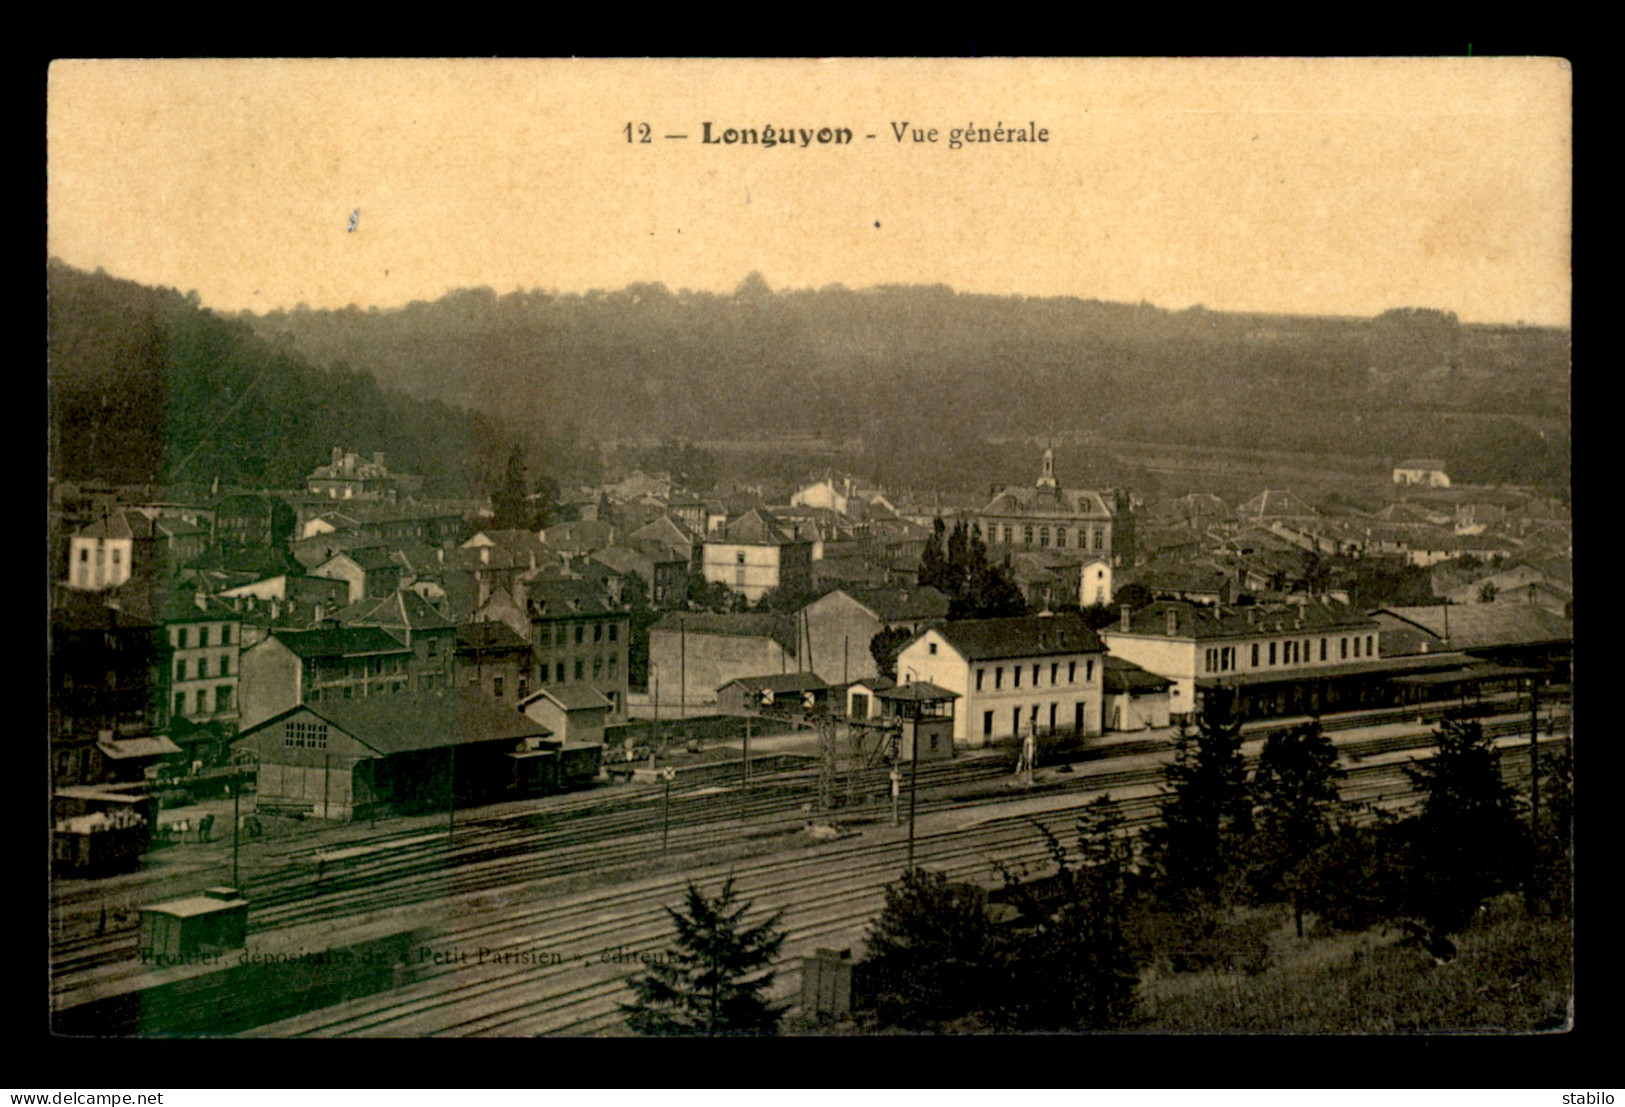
(1047, 478)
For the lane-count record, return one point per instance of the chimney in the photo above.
(440, 554)
(1172, 617)
(1125, 618)
(338, 455)
(485, 555)
(316, 616)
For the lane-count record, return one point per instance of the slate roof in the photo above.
(1025, 636)
(1199, 621)
(755, 528)
(900, 604)
(1059, 503)
(402, 609)
(780, 628)
(1122, 675)
(571, 697)
(492, 635)
(339, 641)
(919, 691)
(1483, 625)
(564, 599)
(411, 721)
(780, 683)
(1271, 504)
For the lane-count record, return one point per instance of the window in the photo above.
(1356, 647)
(433, 649)
(614, 631)
(1052, 716)
(542, 672)
(180, 703)
(524, 685)
(308, 736)
(1043, 536)
(1255, 655)
(182, 643)
(739, 558)
(979, 674)
(1323, 649)
(1370, 646)
(558, 676)
(1035, 674)
(998, 677)
(581, 633)
(1009, 535)
(1054, 669)
(1015, 720)
(598, 632)
(987, 724)
(1344, 653)
(1060, 538)
(580, 668)
(1088, 670)
(496, 687)
(180, 669)
(222, 698)
(84, 553)
(613, 668)
(1272, 653)
(225, 635)
(597, 668)
(1027, 535)
(1017, 671)
(1072, 672)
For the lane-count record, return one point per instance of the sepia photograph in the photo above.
(640, 548)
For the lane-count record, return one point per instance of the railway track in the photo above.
(592, 835)
(829, 895)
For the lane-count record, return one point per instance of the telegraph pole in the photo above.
(913, 785)
(1534, 755)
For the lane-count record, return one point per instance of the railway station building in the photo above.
(1040, 674)
(350, 759)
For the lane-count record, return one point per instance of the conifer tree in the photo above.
(1295, 806)
(1469, 843)
(714, 978)
(1205, 817)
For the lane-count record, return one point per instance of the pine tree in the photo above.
(1295, 806)
(933, 562)
(1469, 843)
(930, 956)
(509, 509)
(1206, 815)
(712, 980)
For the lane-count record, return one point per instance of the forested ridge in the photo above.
(148, 386)
(901, 367)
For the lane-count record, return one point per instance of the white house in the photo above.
(1040, 673)
(753, 555)
(99, 556)
(1424, 471)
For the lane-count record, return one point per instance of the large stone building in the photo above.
(579, 638)
(1049, 517)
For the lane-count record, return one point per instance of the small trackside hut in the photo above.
(924, 715)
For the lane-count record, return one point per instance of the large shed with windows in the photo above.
(346, 759)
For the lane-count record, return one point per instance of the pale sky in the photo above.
(1319, 186)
